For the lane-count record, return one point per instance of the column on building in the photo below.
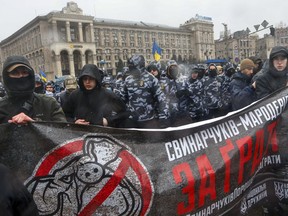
(55, 30)
(58, 65)
(68, 33)
(113, 61)
(136, 39)
(94, 58)
(119, 39)
(92, 33)
(83, 58)
(80, 29)
(102, 38)
(128, 39)
(71, 64)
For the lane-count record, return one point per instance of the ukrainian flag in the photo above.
(156, 51)
(43, 76)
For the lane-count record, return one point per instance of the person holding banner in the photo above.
(22, 105)
(92, 104)
(276, 76)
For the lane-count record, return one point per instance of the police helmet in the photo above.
(136, 62)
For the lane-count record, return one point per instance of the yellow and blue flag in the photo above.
(43, 76)
(156, 51)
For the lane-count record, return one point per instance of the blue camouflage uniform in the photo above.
(195, 104)
(141, 92)
(212, 85)
(177, 96)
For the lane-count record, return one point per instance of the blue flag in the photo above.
(156, 51)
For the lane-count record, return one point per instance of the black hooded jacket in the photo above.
(272, 80)
(93, 105)
(21, 97)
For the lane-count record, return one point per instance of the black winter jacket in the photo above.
(14, 197)
(272, 80)
(94, 105)
(242, 94)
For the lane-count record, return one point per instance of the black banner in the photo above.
(232, 165)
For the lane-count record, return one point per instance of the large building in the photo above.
(61, 42)
(241, 45)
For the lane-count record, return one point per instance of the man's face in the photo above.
(49, 88)
(248, 71)
(194, 75)
(89, 82)
(280, 63)
(19, 72)
(154, 72)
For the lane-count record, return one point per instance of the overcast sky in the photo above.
(238, 15)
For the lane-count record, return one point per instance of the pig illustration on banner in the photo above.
(101, 177)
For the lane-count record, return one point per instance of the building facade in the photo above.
(242, 45)
(62, 42)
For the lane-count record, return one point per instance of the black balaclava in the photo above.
(213, 72)
(18, 87)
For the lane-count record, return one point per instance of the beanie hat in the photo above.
(246, 63)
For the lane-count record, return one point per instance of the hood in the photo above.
(277, 51)
(18, 87)
(92, 71)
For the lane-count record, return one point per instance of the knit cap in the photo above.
(246, 64)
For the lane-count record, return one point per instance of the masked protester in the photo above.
(212, 85)
(177, 96)
(39, 85)
(145, 101)
(195, 97)
(22, 105)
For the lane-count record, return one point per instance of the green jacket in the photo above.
(40, 108)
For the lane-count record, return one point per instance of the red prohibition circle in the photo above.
(127, 161)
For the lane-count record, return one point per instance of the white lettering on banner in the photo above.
(253, 197)
(256, 199)
(270, 160)
(187, 145)
(265, 113)
(225, 201)
(198, 141)
(256, 190)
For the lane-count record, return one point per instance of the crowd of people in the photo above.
(141, 96)
(156, 95)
